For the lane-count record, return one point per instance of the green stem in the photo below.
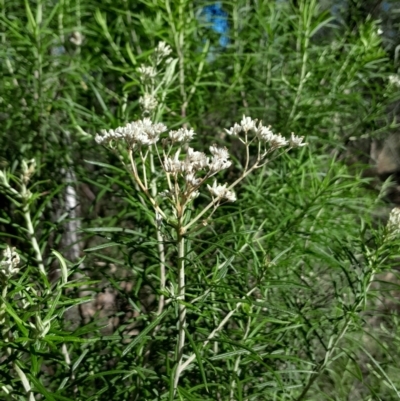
(306, 14)
(216, 200)
(160, 238)
(31, 230)
(182, 309)
(225, 320)
(236, 370)
(327, 359)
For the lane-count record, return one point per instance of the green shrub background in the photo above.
(306, 230)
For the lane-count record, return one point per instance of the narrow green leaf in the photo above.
(198, 357)
(79, 360)
(63, 266)
(31, 19)
(130, 53)
(143, 333)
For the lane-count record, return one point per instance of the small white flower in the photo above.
(393, 224)
(220, 192)
(230, 196)
(174, 165)
(248, 123)
(222, 153)
(217, 190)
(194, 195)
(264, 133)
(191, 179)
(181, 135)
(141, 132)
(148, 102)
(394, 80)
(235, 130)
(10, 262)
(147, 73)
(296, 141)
(220, 159)
(218, 164)
(99, 139)
(162, 50)
(76, 38)
(277, 141)
(197, 160)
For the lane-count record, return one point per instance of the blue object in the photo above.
(217, 19)
(386, 6)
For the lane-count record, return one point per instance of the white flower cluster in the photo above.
(221, 192)
(141, 132)
(194, 162)
(147, 73)
(265, 134)
(148, 102)
(181, 135)
(161, 51)
(393, 224)
(9, 264)
(394, 80)
(76, 38)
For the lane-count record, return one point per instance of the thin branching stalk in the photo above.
(236, 370)
(305, 18)
(179, 40)
(181, 308)
(333, 346)
(224, 321)
(160, 239)
(31, 231)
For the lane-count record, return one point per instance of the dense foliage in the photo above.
(288, 293)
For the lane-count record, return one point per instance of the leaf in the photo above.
(79, 360)
(150, 327)
(63, 266)
(101, 246)
(198, 357)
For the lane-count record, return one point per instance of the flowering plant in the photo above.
(171, 175)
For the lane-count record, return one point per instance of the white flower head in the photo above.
(264, 134)
(221, 192)
(197, 160)
(235, 130)
(393, 224)
(277, 141)
(181, 135)
(222, 153)
(220, 159)
(230, 196)
(194, 195)
(141, 132)
(394, 80)
(147, 73)
(248, 123)
(76, 38)
(174, 165)
(148, 102)
(161, 51)
(191, 179)
(9, 264)
(296, 141)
